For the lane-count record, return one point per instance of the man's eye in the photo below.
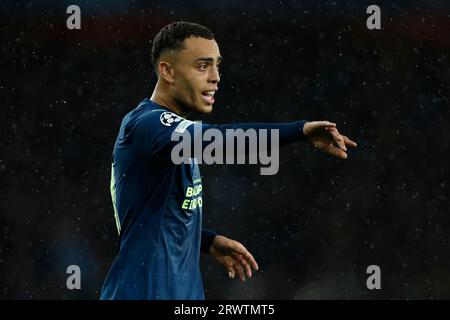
(203, 67)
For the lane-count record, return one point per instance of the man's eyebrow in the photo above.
(209, 59)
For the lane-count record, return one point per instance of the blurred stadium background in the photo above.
(316, 225)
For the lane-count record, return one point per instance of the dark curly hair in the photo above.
(171, 37)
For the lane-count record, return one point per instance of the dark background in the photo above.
(316, 225)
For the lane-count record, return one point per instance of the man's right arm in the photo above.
(152, 136)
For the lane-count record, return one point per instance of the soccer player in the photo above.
(158, 204)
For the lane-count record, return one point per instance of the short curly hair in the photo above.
(171, 37)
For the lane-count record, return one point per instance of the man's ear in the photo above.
(166, 71)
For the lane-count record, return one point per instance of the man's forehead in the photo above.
(196, 47)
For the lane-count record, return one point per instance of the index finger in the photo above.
(325, 124)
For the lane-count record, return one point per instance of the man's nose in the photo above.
(214, 75)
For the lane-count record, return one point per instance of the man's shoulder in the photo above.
(149, 127)
(145, 112)
(153, 117)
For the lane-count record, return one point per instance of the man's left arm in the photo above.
(231, 254)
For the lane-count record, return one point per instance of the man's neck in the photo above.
(163, 99)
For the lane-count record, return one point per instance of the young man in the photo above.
(158, 204)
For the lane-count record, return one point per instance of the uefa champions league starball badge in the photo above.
(168, 118)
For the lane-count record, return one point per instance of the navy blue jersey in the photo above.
(158, 212)
(158, 207)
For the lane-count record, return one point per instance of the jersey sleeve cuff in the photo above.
(207, 239)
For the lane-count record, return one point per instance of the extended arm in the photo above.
(150, 139)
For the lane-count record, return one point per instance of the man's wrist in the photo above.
(301, 126)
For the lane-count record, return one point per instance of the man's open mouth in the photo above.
(208, 96)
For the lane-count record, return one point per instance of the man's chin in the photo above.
(206, 108)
